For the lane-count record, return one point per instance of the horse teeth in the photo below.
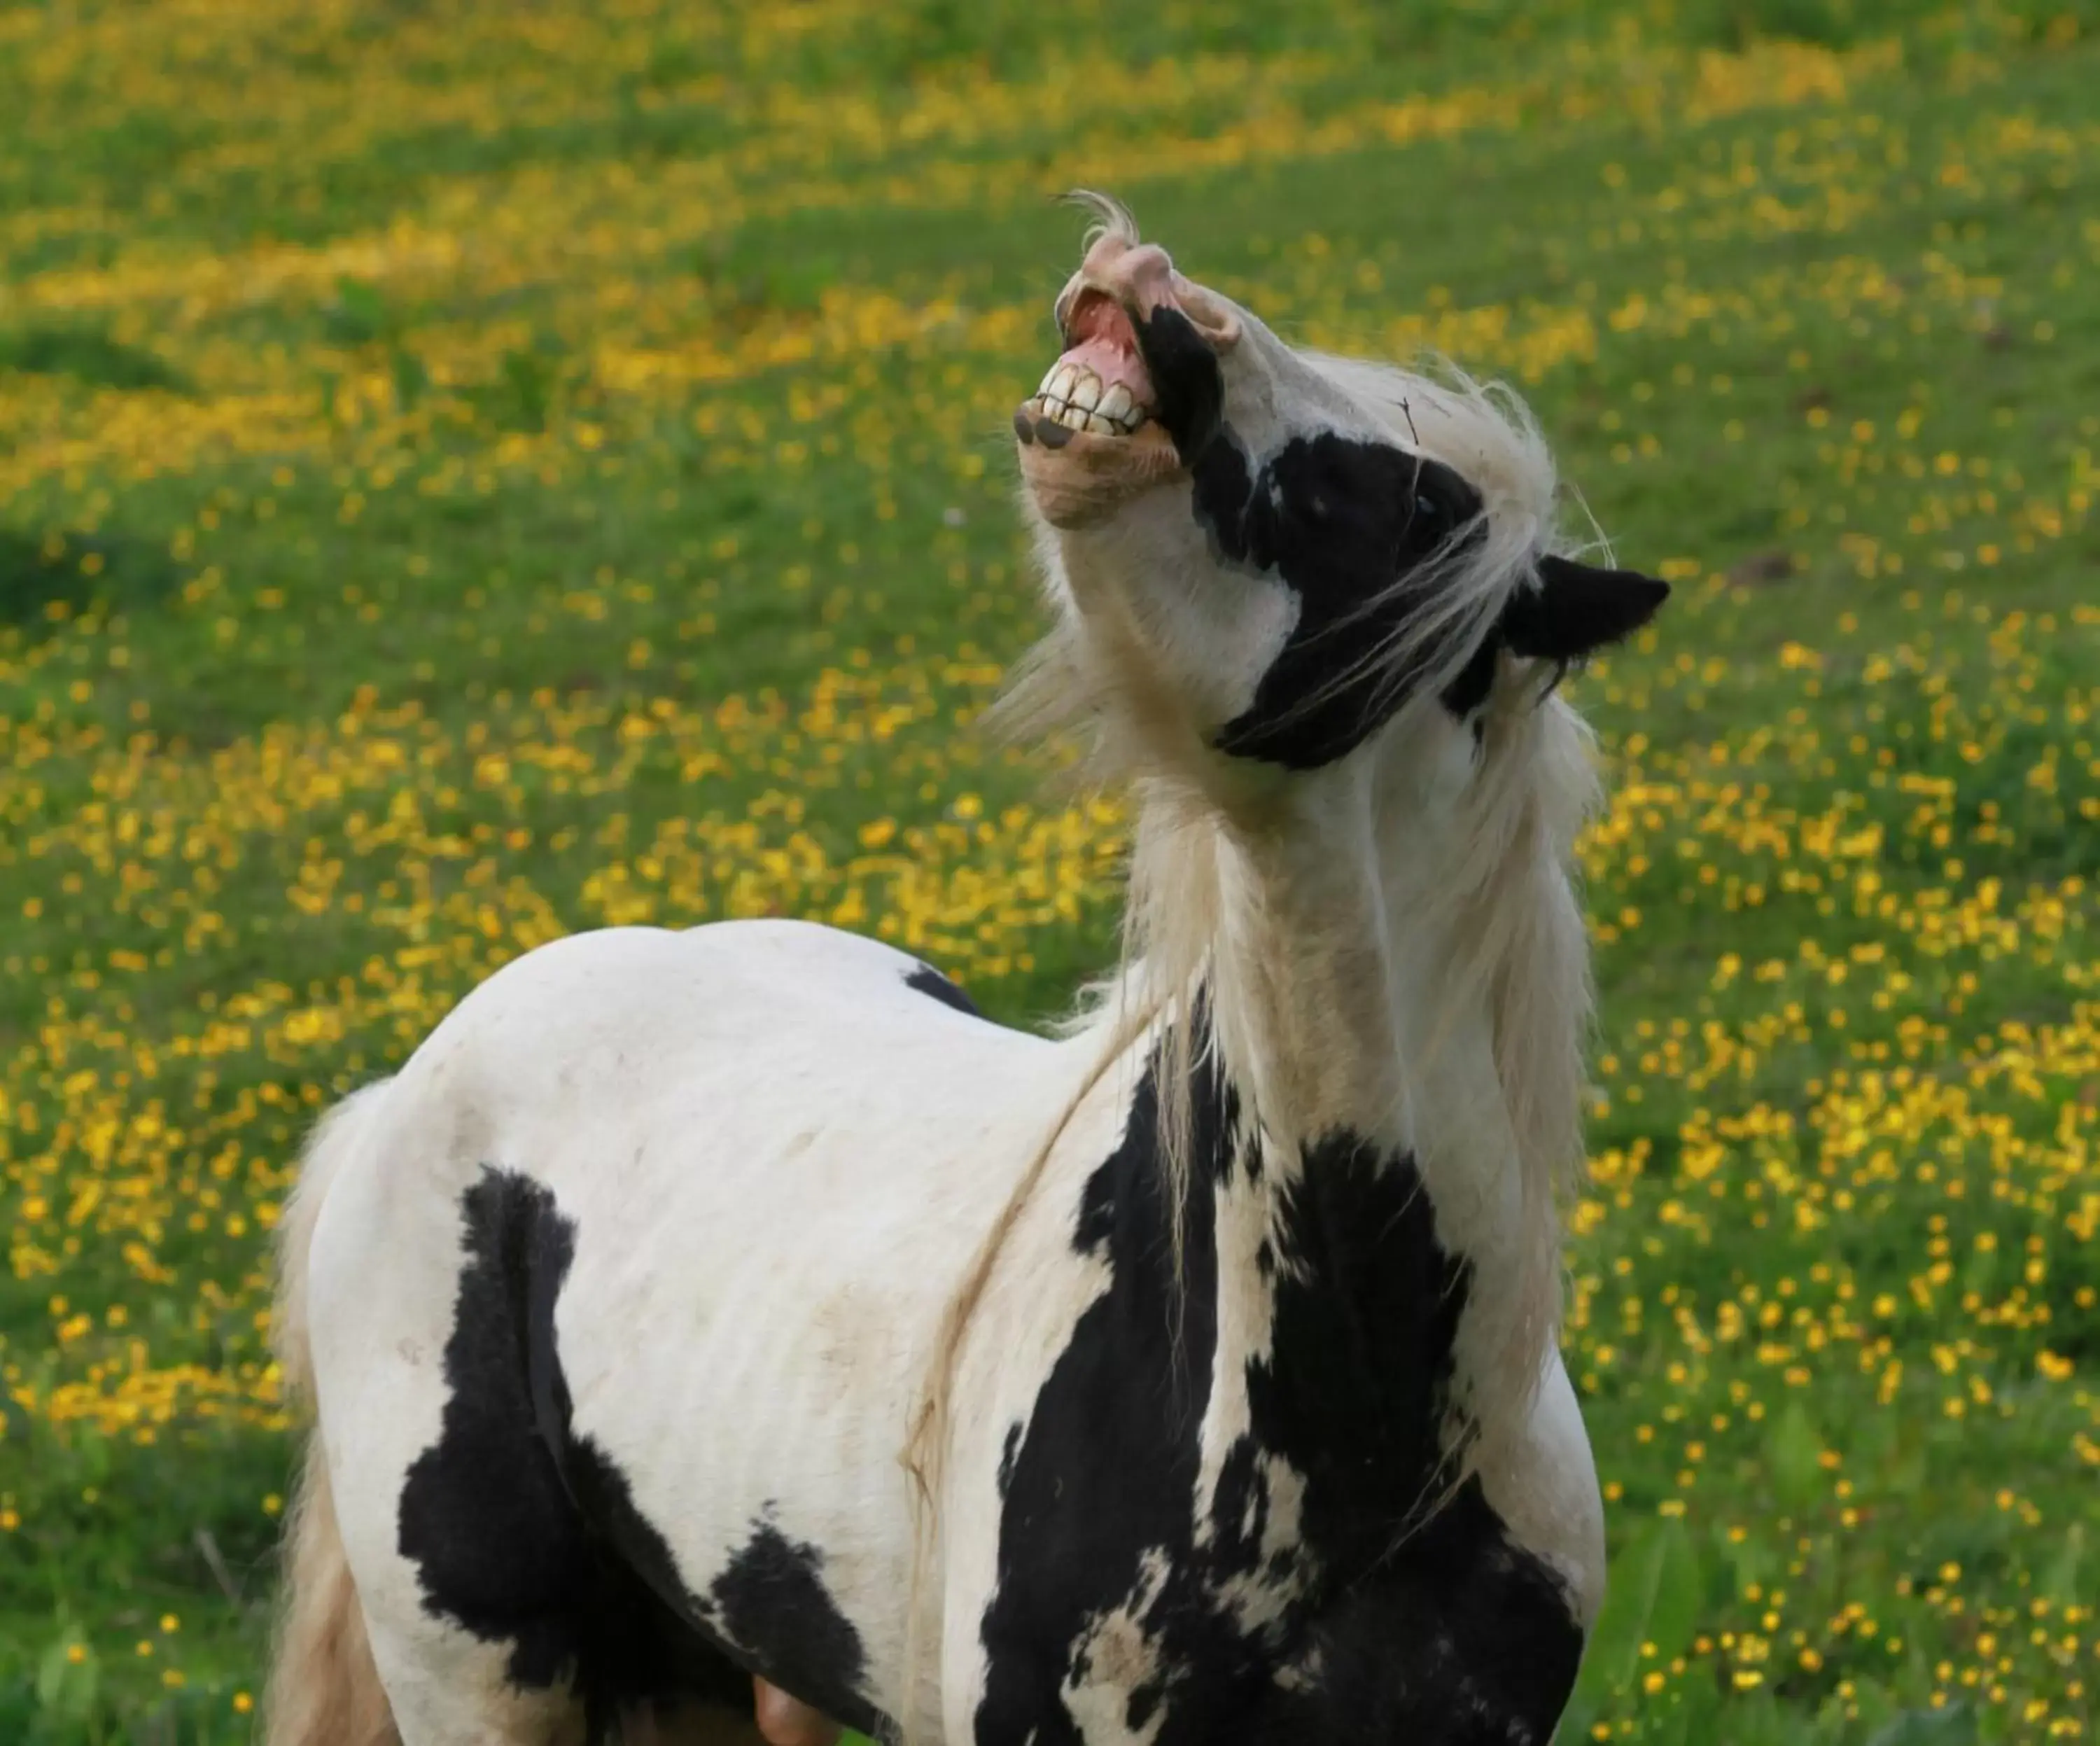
(1114, 413)
(1057, 385)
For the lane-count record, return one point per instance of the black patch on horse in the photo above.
(1344, 522)
(485, 1514)
(772, 1593)
(1439, 1629)
(1341, 520)
(929, 981)
(1411, 1623)
(1463, 1640)
(524, 1534)
(1107, 1466)
(1188, 386)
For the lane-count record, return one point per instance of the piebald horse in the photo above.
(699, 1308)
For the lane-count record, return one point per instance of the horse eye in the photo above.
(1427, 506)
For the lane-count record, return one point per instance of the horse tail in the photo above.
(324, 1688)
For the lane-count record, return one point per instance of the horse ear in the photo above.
(1578, 608)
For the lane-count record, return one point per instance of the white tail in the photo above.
(324, 1688)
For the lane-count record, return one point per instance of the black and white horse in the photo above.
(695, 1306)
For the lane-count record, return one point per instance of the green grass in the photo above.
(470, 475)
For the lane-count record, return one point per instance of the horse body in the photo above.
(610, 1137)
(698, 1306)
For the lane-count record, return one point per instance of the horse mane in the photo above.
(1512, 911)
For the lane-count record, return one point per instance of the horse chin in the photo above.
(1078, 478)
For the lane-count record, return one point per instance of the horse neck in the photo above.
(1345, 1001)
(1349, 1024)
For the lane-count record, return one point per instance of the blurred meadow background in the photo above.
(475, 471)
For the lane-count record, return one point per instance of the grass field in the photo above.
(471, 473)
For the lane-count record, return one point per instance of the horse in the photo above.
(739, 1304)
